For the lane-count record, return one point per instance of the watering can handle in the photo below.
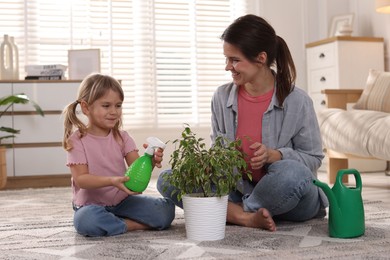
(358, 179)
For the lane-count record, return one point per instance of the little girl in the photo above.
(96, 155)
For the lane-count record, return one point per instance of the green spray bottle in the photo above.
(140, 171)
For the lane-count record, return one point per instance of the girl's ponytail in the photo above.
(71, 121)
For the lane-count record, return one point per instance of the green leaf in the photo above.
(14, 99)
(9, 130)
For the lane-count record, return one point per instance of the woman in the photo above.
(277, 125)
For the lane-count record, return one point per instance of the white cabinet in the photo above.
(341, 62)
(37, 150)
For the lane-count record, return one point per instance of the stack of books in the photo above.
(45, 72)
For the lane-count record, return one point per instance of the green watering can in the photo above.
(346, 211)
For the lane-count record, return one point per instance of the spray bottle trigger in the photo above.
(153, 143)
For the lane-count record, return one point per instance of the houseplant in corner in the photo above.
(204, 177)
(8, 132)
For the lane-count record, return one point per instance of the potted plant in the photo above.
(205, 176)
(9, 132)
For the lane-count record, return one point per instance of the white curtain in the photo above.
(167, 53)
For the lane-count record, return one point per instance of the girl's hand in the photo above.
(158, 156)
(119, 183)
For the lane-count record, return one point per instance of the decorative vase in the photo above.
(6, 59)
(205, 217)
(15, 60)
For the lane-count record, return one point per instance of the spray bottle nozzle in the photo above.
(153, 143)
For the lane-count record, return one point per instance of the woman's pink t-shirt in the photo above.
(250, 122)
(104, 156)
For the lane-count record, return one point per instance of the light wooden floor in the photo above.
(376, 185)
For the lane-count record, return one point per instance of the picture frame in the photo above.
(338, 21)
(83, 62)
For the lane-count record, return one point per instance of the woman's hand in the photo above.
(263, 155)
(260, 155)
(119, 182)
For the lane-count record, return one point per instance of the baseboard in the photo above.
(41, 181)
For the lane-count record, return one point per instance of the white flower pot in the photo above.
(205, 218)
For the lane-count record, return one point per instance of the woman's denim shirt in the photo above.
(291, 128)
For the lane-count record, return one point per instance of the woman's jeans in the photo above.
(286, 191)
(95, 220)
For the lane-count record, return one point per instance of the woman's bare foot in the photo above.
(259, 219)
(263, 219)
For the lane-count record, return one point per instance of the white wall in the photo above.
(303, 21)
(370, 23)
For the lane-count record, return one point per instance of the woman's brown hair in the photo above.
(252, 35)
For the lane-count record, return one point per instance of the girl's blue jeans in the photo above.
(95, 220)
(286, 191)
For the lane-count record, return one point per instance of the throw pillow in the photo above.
(376, 95)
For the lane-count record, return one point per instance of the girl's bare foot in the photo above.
(132, 225)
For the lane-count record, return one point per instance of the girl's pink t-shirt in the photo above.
(104, 156)
(249, 129)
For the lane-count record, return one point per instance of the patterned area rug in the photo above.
(37, 224)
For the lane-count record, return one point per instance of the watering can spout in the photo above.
(329, 194)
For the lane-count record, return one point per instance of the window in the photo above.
(166, 52)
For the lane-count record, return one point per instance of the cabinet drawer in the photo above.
(37, 129)
(40, 161)
(321, 56)
(319, 101)
(322, 79)
(49, 96)
(5, 89)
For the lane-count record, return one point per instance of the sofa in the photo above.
(358, 131)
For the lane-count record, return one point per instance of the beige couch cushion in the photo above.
(360, 132)
(376, 94)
